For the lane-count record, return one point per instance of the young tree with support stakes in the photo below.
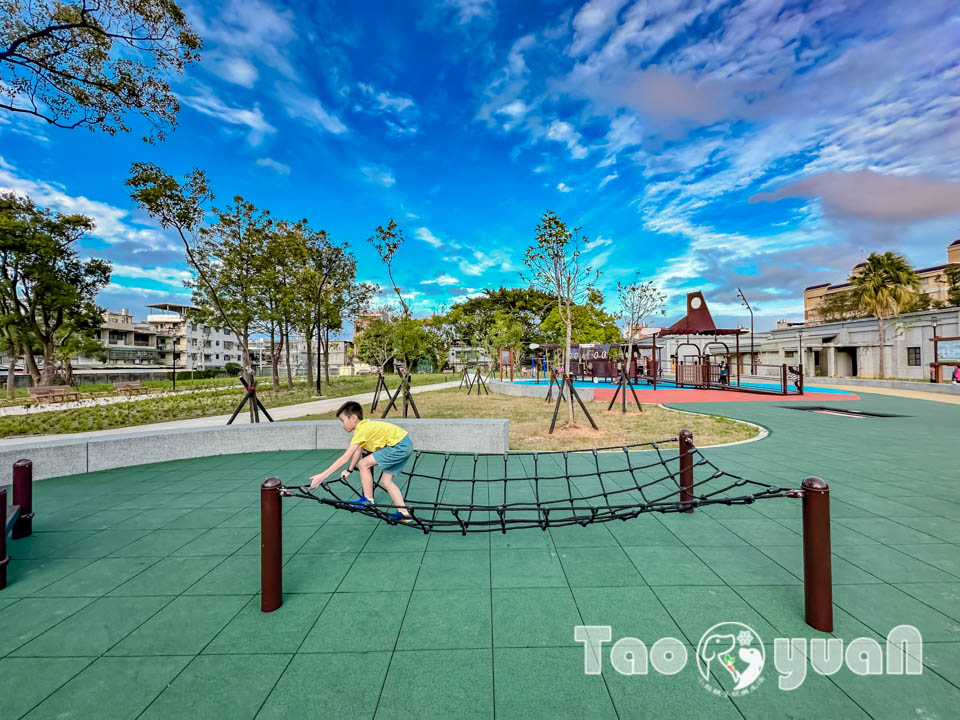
(86, 63)
(555, 267)
(220, 255)
(638, 301)
(886, 283)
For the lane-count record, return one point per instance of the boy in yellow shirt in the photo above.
(389, 447)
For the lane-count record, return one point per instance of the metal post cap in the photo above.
(814, 483)
(271, 483)
(23, 462)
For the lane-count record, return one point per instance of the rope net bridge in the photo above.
(461, 493)
(447, 492)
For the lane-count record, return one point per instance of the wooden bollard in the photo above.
(817, 573)
(685, 439)
(271, 546)
(23, 496)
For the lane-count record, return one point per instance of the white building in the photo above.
(194, 346)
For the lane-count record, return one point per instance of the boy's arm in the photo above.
(349, 454)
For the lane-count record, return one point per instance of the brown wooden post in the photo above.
(685, 439)
(817, 575)
(4, 558)
(271, 538)
(23, 496)
(783, 379)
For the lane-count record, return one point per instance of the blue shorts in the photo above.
(392, 458)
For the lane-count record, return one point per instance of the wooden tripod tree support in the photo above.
(554, 380)
(567, 382)
(381, 387)
(407, 396)
(622, 386)
(251, 396)
(478, 382)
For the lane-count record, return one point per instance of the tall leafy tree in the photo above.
(886, 283)
(375, 344)
(86, 63)
(223, 256)
(48, 290)
(555, 266)
(840, 305)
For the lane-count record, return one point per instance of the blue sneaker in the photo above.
(400, 518)
(363, 502)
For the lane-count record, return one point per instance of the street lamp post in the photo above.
(753, 357)
(174, 364)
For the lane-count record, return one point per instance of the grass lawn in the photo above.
(148, 410)
(530, 420)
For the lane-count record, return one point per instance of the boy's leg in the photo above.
(366, 475)
(387, 483)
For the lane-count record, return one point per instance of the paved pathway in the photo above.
(285, 412)
(138, 592)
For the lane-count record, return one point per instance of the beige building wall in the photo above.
(933, 282)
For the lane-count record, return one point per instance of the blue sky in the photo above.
(709, 145)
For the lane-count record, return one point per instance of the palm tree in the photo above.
(887, 283)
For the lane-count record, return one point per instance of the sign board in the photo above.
(948, 351)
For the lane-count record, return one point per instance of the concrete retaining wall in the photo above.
(113, 450)
(537, 391)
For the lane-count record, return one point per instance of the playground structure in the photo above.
(703, 360)
(18, 517)
(556, 489)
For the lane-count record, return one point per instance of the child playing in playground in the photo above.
(389, 447)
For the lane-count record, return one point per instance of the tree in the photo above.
(590, 325)
(886, 283)
(638, 301)
(952, 276)
(86, 63)
(375, 345)
(840, 305)
(221, 256)
(48, 293)
(505, 332)
(556, 268)
(387, 241)
(473, 317)
(443, 335)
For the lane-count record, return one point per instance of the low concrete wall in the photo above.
(72, 457)
(537, 391)
(945, 388)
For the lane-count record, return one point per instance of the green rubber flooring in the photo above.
(137, 595)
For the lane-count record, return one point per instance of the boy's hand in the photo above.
(316, 481)
(345, 474)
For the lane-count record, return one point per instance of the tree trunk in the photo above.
(11, 374)
(49, 372)
(248, 376)
(309, 337)
(274, 359)
(31, 363)
(880, 334)
(68, 371)
(326, 354)
(286, 332)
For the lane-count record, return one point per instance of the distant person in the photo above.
(389, 447)
(724, 373)
(956, 375)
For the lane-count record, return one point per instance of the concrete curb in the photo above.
(888, 384)
(53, 458)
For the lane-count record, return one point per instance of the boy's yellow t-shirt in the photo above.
(373, 434)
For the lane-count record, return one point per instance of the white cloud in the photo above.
(564, 188)
(608, 178)
(563, 132)
(469, 10)
(311, 110)
(209, 104)
(249, 29)
(483, 261)
(594, 20)
(379, 174)
(442, 279)
(235, 70)
(115, 289)
(428, 237)
(111, 222)
(275, 165)
(598, 243)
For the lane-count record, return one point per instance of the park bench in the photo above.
(53, 393)
(130, 387)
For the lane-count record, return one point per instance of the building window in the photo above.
(218, 343)
(913, 356)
